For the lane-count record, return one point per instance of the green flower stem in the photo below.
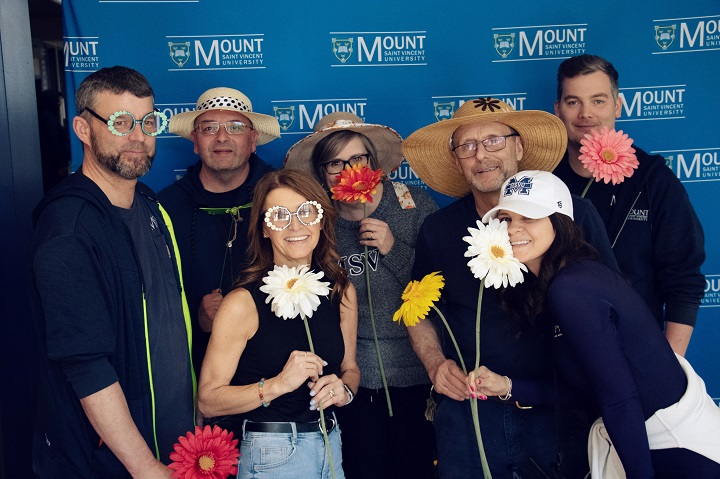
(322, 414)
(452, 337)
(587, 187)
(372, 323)
(473, 401)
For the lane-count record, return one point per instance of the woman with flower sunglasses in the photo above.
(282, 347)
(655, 418)
(376, 234)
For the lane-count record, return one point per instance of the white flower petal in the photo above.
(293, 291)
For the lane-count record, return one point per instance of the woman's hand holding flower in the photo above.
(376, 233)
(300, 366)
(483, 383)
(329, 390)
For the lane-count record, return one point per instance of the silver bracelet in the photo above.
(509, 392)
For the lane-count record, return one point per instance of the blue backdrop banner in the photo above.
(408, 64)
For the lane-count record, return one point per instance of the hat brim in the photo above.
(387, 143)
(428, 151)
(522, 207)
(267, 126)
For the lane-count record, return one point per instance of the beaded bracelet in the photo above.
(509, 393)
(260, 392)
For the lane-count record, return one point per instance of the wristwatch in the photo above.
(349, 393)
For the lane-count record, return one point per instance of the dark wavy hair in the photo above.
(528, 299)
(260, 252)
(328, 148)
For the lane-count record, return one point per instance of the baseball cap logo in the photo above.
(520, 186)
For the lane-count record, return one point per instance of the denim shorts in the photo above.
(289, 455)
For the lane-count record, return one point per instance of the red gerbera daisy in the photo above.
(358, 182)
(608, 155)
(207, 454)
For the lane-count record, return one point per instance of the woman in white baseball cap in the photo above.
(655, 418)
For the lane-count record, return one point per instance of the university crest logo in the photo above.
(285, 116)
(444, 111)
(504, 43)
(669, 161)
(342, 48)
(518, 187)
(179, 52)
(664, 35)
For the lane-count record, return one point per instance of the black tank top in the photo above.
(268, 351)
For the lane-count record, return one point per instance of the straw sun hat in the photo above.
(428, 151)
(385, 140)
(226, 99)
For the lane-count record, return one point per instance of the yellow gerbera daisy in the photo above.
(418, 298)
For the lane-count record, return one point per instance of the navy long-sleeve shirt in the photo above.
(610, 353)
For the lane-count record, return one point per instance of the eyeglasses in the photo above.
(277, 218)
(122, 123)
(231, 127)
(494, 143)
(335, 167)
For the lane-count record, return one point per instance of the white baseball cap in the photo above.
(533, 194)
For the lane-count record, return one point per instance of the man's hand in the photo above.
(449, 380)
(208, 307)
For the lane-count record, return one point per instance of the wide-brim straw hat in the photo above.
(429, 154)
(226, 99)
(387, 142)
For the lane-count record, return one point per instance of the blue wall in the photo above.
(408, 64)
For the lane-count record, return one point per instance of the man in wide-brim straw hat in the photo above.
(225, 132)
(470, 156)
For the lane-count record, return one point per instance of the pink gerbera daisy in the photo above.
(608, 155)
(207, 454)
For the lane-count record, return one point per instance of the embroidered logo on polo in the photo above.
(520, 186)
(638, 215)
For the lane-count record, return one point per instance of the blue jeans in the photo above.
(286, 456)
(519, 443)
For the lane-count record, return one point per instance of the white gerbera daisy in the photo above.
(294, 291)
(492, 256)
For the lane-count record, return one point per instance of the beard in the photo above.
(129, 169)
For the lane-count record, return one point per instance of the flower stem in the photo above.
(587, 187)
(452, 337)
(372, 323)
(473, 401)
(322, 413)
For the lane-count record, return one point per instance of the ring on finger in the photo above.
(332, 393)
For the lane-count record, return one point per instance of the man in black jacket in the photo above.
(655, 234)
(117, 386)
(209, 206)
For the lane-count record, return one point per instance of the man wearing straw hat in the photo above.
(469, 157)
(211, 235)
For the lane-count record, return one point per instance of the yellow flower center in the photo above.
(206, 463)
(497, 252)
(291, 283)
(608, 155)
(360, 185)
(412, 291)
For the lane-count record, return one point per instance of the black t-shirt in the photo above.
(169, 352)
